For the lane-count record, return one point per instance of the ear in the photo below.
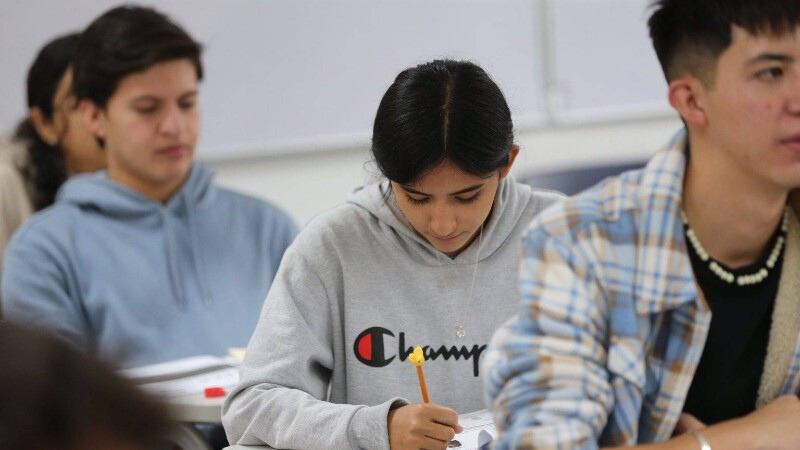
(512, 156)
(93, 117)
(687, 97)
(45, 128)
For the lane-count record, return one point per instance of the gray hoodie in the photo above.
(355, 293)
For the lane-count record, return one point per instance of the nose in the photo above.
(172, 122)
(443, 222)
(794, 96)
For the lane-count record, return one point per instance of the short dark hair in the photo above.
(437, 111)
(127, 40)
(48, 168)
(57, 397)
(689, 35)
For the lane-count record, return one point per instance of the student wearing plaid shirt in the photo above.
(661, 306)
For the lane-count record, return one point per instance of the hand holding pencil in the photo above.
(424, 425)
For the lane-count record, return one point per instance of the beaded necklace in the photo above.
(742, 280)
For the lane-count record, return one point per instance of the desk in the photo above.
(196, 408)
(193, 408)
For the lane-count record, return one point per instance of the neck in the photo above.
(732, 212)
(159, 193)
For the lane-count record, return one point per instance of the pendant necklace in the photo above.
(460, 329)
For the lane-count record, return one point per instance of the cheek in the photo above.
(763, 105)
(135, 131)
(414, 215)
(477, 212)
(486, 209)
(770, 109)
(192, 121)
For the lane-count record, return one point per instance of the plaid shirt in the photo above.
(612, 326)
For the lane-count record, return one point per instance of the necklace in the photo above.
(461, 331)
(742, 280)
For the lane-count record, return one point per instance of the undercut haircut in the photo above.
(690, 35)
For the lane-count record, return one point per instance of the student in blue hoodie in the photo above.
(148, 261)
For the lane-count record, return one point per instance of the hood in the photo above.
(96, 191)
(510, 203)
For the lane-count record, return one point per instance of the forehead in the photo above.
(446, 178)
(165, 79)
(745, 45)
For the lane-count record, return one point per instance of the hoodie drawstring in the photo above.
(199, 263)
(172, 261)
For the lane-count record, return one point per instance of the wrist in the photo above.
(701, 440)
(734, 433)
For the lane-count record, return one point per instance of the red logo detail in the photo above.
(365, 347)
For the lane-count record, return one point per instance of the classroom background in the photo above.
(291, 86)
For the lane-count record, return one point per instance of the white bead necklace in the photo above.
(741, 280)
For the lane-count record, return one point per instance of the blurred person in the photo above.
(56, 397)
(50, 145)
(148, 261)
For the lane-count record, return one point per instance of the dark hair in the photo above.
(123, 41)
(437, 111)
(55, 397)
(48, 170)
(689, 35)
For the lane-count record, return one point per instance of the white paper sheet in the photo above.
(196, 384)
(185, 376)
(473, 424)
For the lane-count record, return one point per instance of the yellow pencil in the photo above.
(417, 358)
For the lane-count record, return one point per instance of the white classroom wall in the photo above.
(286, 115)
(308, 183)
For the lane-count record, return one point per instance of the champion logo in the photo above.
(370, 348)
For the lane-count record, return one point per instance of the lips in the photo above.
(174, 151)
(793, 142)
(446, 238)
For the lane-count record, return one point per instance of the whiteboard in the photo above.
(604, 65)
(283, 74)
(306, 75)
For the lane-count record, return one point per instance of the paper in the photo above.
(474, 423)
(185, 376)
(195, 384)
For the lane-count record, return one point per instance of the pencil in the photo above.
(417, 358)
(422, 386)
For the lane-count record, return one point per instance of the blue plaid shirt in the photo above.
(612, 325)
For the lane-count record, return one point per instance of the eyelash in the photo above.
(415, 201)
(151, 109)
(469, 199)
(771, 73)
(425, 200)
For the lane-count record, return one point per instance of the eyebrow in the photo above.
(769, 57)
(462, 191)
(153, 98)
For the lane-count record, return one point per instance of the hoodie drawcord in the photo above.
(177, 287)
(199, 262)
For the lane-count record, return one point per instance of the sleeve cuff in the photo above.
(369, 428)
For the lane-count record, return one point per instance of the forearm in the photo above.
(290, 418)
(731, 434)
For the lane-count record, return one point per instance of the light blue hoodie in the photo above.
(139, 282)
